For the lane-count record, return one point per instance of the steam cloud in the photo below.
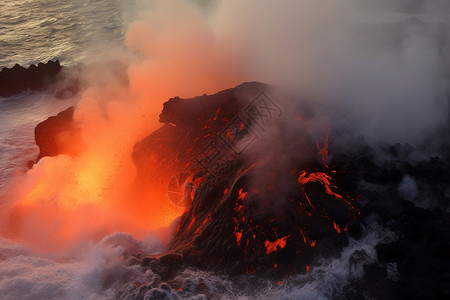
(381, 70)
(59, 199)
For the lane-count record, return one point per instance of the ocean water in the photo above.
(18, 118)
(33, 31)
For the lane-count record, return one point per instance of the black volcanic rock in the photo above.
(421, 253)
(61, 134)
(18, 79)
(232, 225)
(416, 264)
(58, 135)
(63, 82)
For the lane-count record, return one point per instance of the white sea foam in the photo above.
(93, 272)
(97, 271)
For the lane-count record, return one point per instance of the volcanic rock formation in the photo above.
(18, 79)
(58, 135)
(233, 224)
(61, 81)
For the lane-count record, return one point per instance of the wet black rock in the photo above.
(416, 264)
(164, 266)
(420, 253)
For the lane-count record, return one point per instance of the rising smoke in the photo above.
(175, 53)
(383, 71)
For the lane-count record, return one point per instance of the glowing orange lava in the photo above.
(273, 246)
(242, 195)
(336, 227)
(238, 237)
(322, 178)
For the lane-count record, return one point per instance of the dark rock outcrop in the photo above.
(18, 79)
(233, 225)
(416, 264)
(58, 135)
(62, 82)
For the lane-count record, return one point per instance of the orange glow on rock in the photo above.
(238, 237)
(320, 177)
(336, 227)
(217, 113)
(242, 195)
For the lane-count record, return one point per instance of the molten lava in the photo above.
(273, 246)
(323, 179)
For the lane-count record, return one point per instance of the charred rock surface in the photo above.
(18, 79)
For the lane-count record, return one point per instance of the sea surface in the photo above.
(18, 118)
(33, 31)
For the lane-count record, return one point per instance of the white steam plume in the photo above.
(376, 64)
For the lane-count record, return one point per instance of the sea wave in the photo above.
(34, 31)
